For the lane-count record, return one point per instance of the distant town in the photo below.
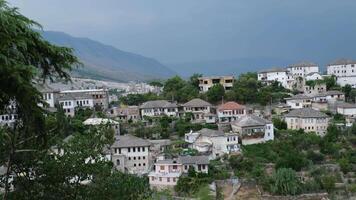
(225, 127)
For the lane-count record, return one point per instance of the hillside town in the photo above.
(167, 138)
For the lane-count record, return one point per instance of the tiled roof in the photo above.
(211, 132)
(327, 93)
(199, 160)
(231, 105)
(273, 70)
(250, 120)
(343, 61)
(158, 104)
(129, 141)
(303, 64)
(74, 96)
(305, 113)
(196, 103)
(346, 105)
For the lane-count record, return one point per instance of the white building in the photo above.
(131, 154)
(230, 111)
(280, 75)
(198, 108)
(299, 101)
(308, 119)
(313, 76)
(315, 89)
(205, 83)
(346, 109)
(103, 122)
(158, 108)
(302, 69)
(71, 101)
(252, 129)
(166, 172)
(213, 142)
(344, 70)
(100, 96)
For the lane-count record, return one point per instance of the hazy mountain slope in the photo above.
(106, 62)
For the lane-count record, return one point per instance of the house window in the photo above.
(129, 158)
(160, 179)
(168, 180)
(174, 167)
(134, 149)
(144, 164)
(117, 162)
(143, 157)
(135, 165)
(174, 179)
(152, 178)
(139, 158)
(138, 149)
(134, 157)
(161, 167)
(129, 149)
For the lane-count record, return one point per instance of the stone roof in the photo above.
(298, 96)
(312, 73)
(199, 160)
(99, 121)
(196, 103)
(74, 96)
(158, 104)
(303, 64)
(250, 120)
(211, 132)
(342, 61)
(306, 113)
(45, 88)
(231, 105)
(327, 93)
(346, 105)
(276, 69)
(216, 77)
(129, 141)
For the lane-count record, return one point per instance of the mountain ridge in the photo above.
(103, 61)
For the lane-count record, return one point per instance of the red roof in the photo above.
(231, 105)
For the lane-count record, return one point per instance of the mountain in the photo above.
(229, 66)
(107, 62)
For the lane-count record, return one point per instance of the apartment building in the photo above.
(166, 172)
(252, 129)
(198, 108)
(205, 83)
(128, 113)
(308, 119)
(314, 89)
(158, 108)
(301, 69)
(346, 109)
(131, 154)
(213, 142)
(230, 111)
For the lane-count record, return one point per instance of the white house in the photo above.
(213, 142)
(158, 108)
(230, 111)
(344, 70)
(71, 101)
(280, 75)
(313, 76)
(314, 89)
(346, 109)
(253, 129)
(49, 94)
(303, 68)
(100, 97)
(308, 119)
(299, 101)
(166, 172)
(131, 154)
(198, 108)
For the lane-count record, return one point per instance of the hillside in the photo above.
(107, 62)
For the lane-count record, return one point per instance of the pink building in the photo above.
(167, 172)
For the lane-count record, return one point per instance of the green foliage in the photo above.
(330, 82)
(215, 93)
(279, 123)
(137, 99)
(285, 182)
(156, 83)
(194, 80)
(347, 89)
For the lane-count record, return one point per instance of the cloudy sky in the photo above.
(197, 30)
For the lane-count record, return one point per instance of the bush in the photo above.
(285, 182)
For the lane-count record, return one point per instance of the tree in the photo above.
(215, 93)
(194, 80)
(279, 124)
(285, 182)
(347, 90)
(156, 83)
(330, 82)
(172, 86)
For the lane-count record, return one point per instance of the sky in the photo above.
(199, 30)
